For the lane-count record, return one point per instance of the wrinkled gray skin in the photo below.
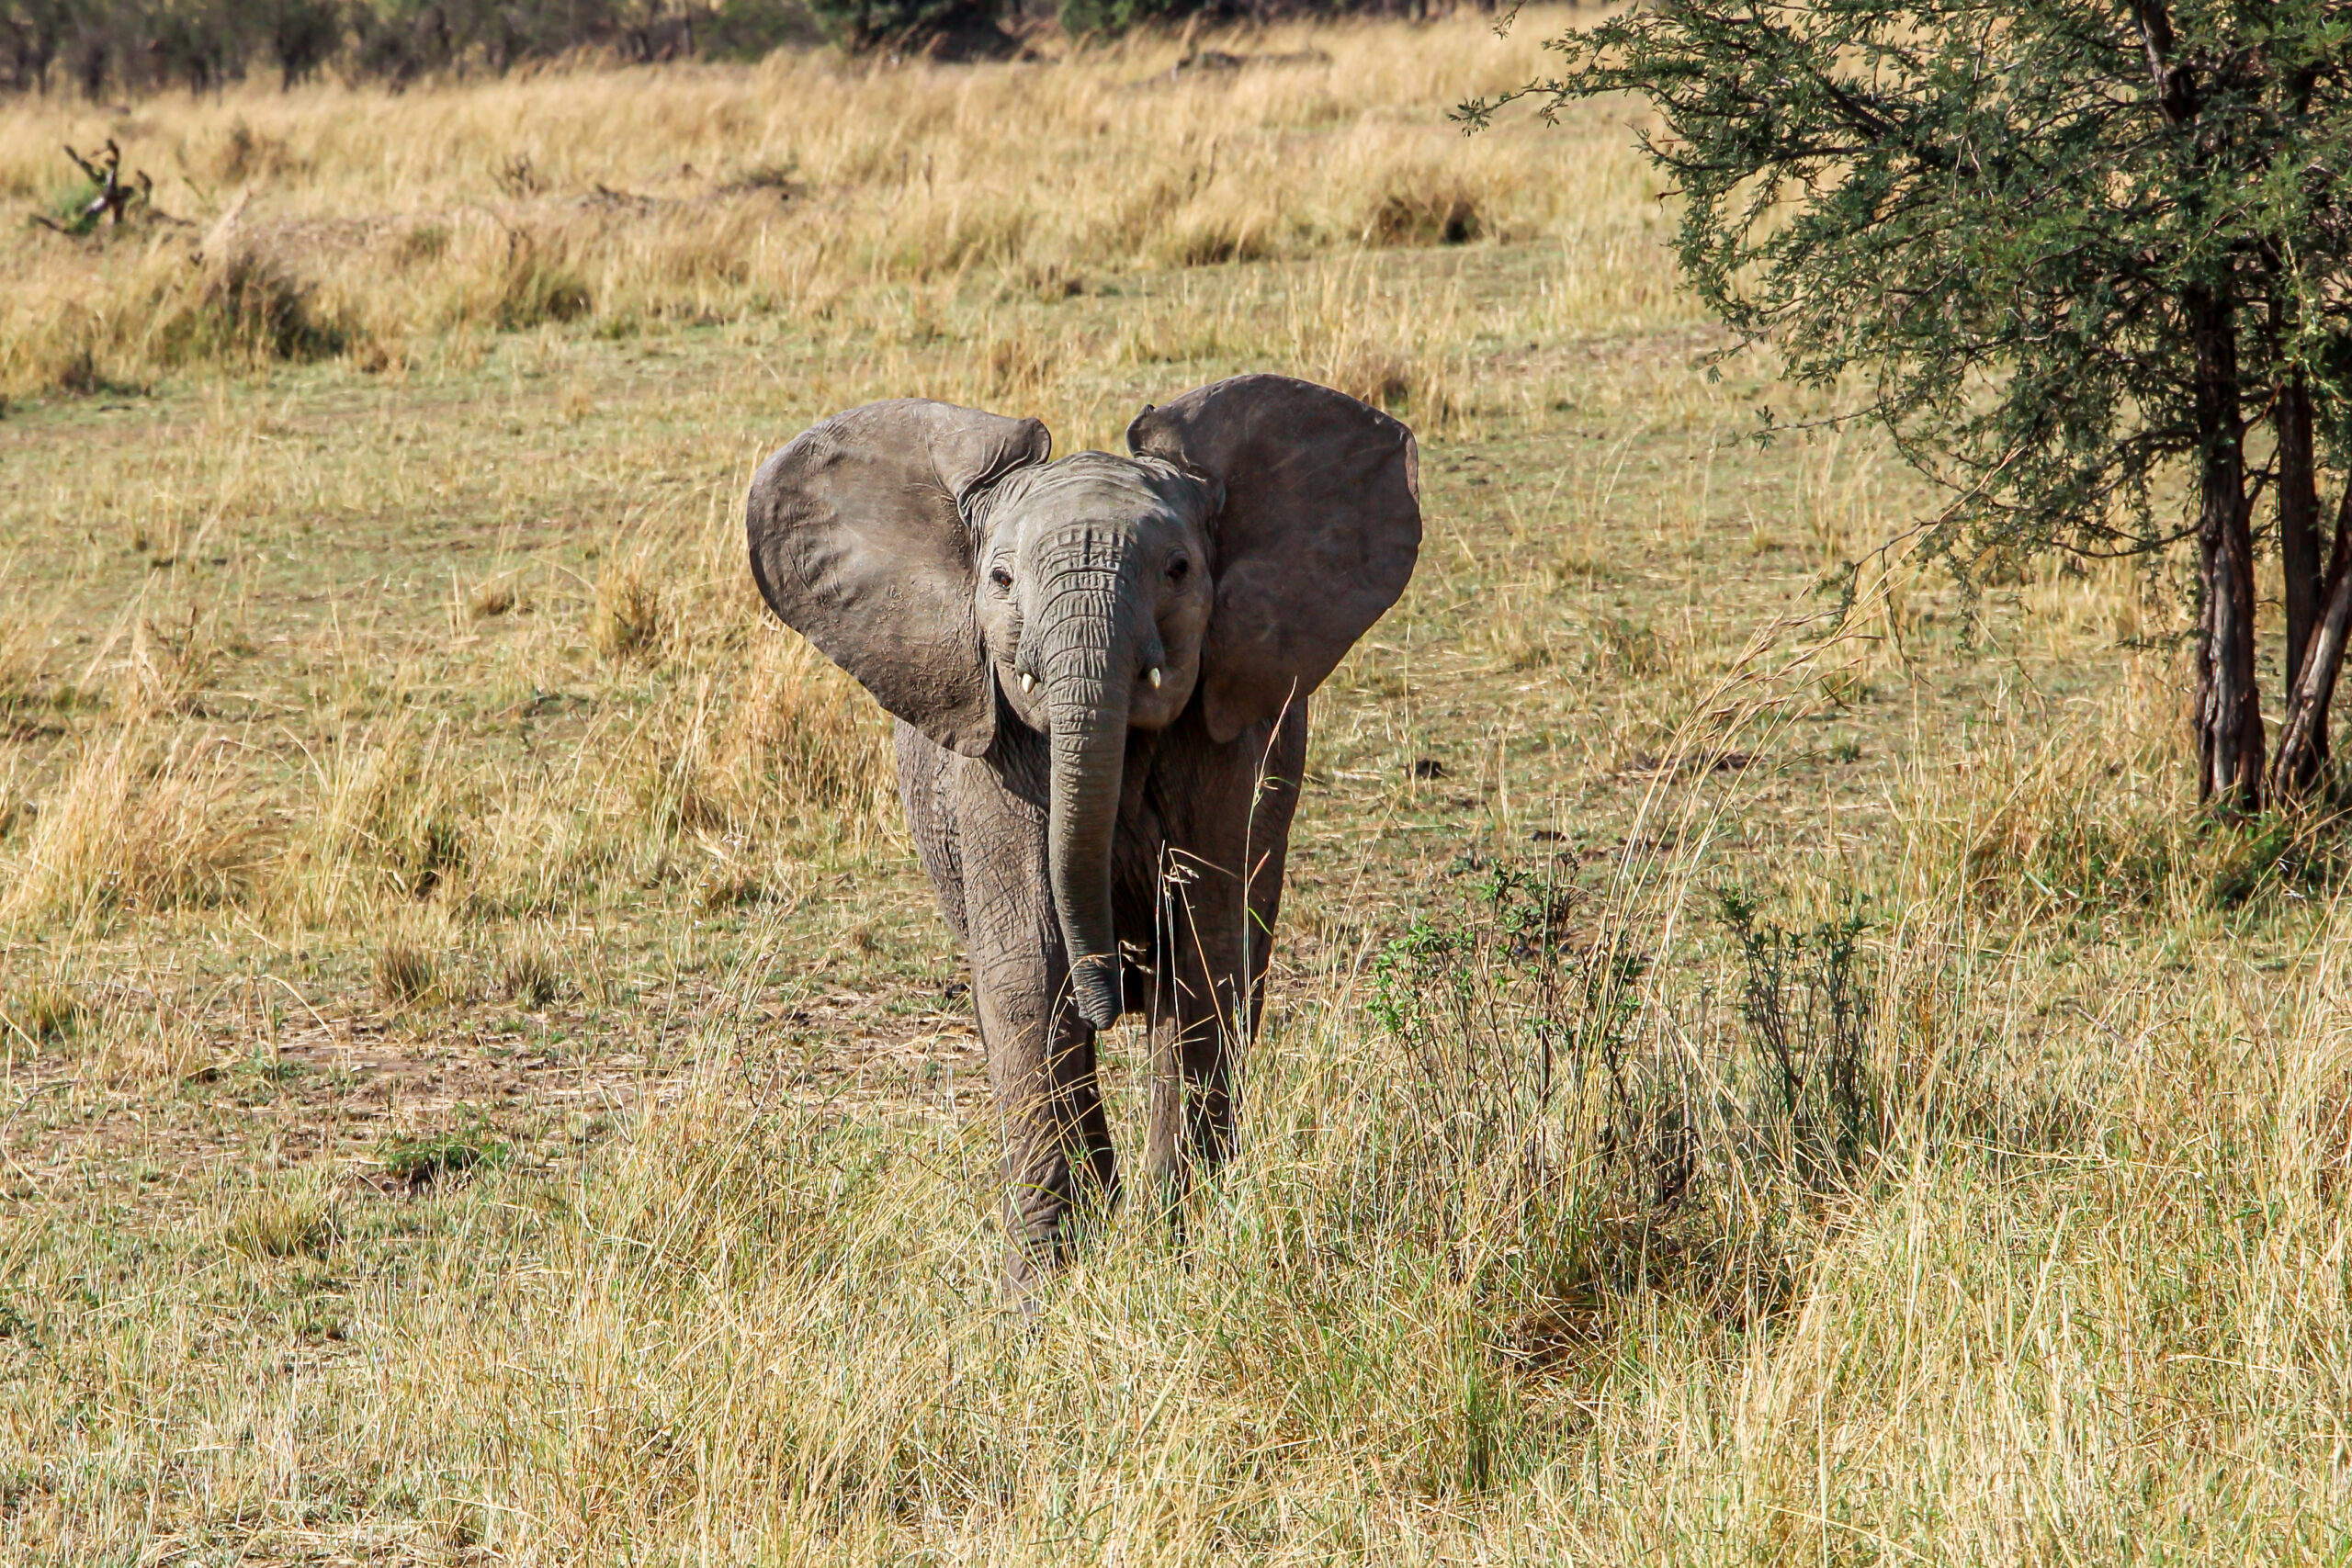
(1100, 668)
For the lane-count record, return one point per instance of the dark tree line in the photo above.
(121, 47)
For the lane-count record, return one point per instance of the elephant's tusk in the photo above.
(1028, 681)
(1154, 677)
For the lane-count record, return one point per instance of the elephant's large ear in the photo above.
(860, 543)
(1320, 526)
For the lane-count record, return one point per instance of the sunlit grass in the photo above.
(484, 1080)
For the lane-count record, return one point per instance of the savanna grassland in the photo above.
(485, 1081)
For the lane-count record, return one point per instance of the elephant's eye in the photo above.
(1178, 568)
(1000, 576)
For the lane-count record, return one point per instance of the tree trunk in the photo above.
(2302, 586)
(2229, 708)
(2303, 737)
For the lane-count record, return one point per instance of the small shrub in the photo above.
(1805, 1006)
(1550, 1112)
(66, 208)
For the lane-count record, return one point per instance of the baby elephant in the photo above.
(1099, 669)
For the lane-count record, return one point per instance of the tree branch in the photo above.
(2176, 90)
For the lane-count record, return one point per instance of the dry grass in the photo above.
(484, 1082)
(136, 824)
(333, 220)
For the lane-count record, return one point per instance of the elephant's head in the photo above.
(1261, 526)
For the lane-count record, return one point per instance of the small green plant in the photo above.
(416, 1163)
(101, 195)
(1805, 1006)
(1520, 1025)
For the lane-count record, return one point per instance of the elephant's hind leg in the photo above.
(1194, 1036)
(1217, 929)
(922, 787)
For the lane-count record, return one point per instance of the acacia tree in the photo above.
(2072, 248)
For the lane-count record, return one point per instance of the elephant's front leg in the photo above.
(1057, 1159)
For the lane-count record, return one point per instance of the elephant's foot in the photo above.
(1051, 1217)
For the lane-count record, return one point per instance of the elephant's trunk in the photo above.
(1085, 653)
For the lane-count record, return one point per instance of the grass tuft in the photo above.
(247, 308)
(44, 1012)
(532, 289)
(405, 972)
(1439, 214)
(530, 976)
(275, 1223)
(624, 619)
